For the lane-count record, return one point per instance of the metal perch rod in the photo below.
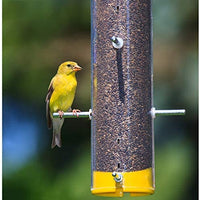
(75, 115)
(155, 112)
(170, 112)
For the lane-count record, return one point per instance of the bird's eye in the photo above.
(68, 65)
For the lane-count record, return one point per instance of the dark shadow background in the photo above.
(37, 37)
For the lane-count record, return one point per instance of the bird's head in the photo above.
(68, 67)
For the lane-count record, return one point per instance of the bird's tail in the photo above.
(56, 140)
(57, 125)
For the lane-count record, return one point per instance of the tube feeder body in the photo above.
(122, 126)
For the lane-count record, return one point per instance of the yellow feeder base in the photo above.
(137, 183)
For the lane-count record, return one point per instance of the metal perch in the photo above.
(73, 115)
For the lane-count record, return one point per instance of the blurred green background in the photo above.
(37, 37)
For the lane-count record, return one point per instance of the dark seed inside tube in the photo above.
(122, 86)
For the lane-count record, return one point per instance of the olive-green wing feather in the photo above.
(49, 93)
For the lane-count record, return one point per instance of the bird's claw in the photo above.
(75, 112)
(61, 113)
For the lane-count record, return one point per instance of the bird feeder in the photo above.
(122, 126)
(122, 108)
(122, 113)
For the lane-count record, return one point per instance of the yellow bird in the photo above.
(60, 97)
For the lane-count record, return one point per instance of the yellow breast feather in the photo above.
(64, 92)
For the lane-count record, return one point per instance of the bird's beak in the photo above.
(77, 68)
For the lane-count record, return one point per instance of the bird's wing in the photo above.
(49, 93)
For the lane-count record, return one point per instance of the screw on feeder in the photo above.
(117, 177)
(117, 42)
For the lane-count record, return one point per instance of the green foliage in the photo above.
(33, 33)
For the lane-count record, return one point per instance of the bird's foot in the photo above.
(61, 113)
(76, 111)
